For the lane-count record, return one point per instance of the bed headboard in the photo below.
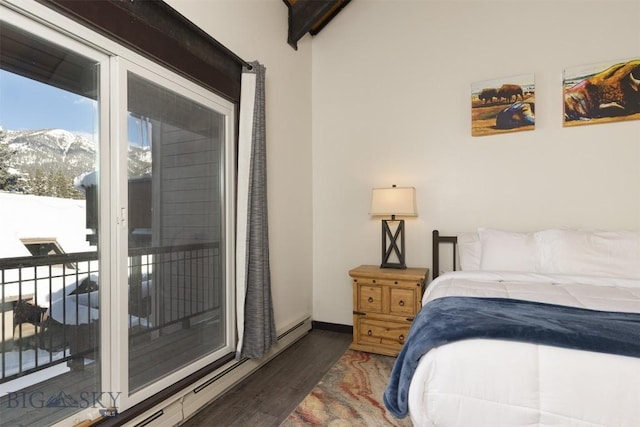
(437, 240)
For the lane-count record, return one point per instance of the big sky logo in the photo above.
(105, 401)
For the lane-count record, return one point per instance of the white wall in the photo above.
(383, 93)
(257, 30)
(391, 105)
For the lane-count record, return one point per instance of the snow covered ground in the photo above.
(25, 216)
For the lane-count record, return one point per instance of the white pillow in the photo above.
(507, 250)
(469, 250)
(585, 252)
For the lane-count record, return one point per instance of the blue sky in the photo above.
(28, 104)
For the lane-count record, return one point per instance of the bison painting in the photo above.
(516, 115)
(488, 94)
(502, 105)
(613, 92)
(510, 92)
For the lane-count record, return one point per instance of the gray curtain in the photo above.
(259, 324)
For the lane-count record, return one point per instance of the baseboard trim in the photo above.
(335, 327)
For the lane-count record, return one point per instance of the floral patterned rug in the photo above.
(350, 394)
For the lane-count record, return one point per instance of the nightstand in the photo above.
(385, 301)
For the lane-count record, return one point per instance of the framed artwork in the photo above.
(503, 105)
(602, 93)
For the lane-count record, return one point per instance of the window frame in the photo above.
(155, 30)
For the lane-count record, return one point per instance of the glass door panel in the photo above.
(176, 288)
(49, 259)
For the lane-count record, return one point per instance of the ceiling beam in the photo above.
(310, 16)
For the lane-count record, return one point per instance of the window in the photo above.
(176, 169)
(49, 108)
(130, 168)
(43, 246)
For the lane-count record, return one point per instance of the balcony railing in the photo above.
(50, 307)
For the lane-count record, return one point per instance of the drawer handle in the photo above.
(401, 338)
(369, 332)
(370, 299)
(401, 303)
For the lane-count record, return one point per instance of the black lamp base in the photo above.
(395, 238)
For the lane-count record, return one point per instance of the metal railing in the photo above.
(50, 306)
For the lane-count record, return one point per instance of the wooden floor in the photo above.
(270, 394)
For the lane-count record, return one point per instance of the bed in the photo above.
(568, 354)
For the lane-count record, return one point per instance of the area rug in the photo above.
(350, 394)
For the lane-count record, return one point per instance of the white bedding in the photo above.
(493, 383)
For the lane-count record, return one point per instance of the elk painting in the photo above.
(503, 105)
(602, 93)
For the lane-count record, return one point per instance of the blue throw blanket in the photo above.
(450, 319)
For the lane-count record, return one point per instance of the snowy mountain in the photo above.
(49, 154)
(50, 149)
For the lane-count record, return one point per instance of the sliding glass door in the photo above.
(175, 236)
(51, 142)
(116, 225)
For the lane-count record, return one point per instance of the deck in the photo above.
(63, 395)
(49, 365)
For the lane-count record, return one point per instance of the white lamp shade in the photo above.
(393, 201)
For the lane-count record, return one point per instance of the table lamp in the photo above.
(393, 201)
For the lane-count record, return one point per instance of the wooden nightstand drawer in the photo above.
(385, 301)
(370, 299)
(384, 332)
(402, 302)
